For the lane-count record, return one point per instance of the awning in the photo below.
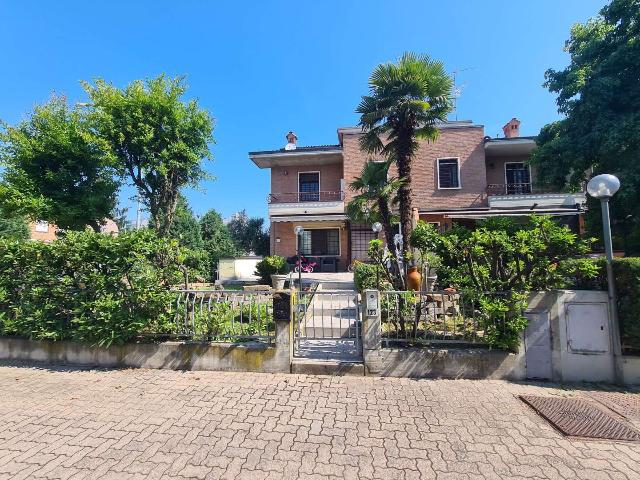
(479, 214)
(309, 218)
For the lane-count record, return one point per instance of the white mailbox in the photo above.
(587, 327)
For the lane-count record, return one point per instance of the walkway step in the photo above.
(327, 367)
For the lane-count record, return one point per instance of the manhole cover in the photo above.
(579, 418)
(625, 404)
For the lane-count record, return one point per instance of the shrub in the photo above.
(364, 276)
(274, 265)
(88, 287)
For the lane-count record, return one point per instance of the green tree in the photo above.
(406, 102)
(599, 96)
(377, 193)
(186, 227)
(249, 234)
(57, 169)
(14, 228)
(158, 139)
(217, 239)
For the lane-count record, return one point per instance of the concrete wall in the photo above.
(239, 357)
(237, 269)
(570, 364)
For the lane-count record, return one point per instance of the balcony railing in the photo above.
(519, 189)
(301, 197)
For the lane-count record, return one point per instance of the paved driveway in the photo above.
(66, 423)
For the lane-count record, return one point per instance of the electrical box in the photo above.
(588, 327)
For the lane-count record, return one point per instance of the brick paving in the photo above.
(125, 424)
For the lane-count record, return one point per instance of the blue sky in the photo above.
(263, 68)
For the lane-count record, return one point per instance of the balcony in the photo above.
(527, 195)
(305, 203)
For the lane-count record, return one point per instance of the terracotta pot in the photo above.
(414, 279)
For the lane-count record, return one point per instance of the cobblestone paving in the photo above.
(121, 424)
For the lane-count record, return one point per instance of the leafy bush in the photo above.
(365, 276)
(274, 265)
(504, 256)
(88, 287)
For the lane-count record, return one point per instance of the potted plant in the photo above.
(273, 270)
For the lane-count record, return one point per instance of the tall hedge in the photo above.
(627, 277)
(88, 287)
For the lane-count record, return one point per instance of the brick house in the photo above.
(462, 177)
(46, 232)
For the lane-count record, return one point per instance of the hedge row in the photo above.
(88, 287)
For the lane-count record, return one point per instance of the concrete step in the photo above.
(337, 285)
(327, 367)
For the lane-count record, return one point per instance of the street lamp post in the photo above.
(377, 228)
(299, 231)
(603, 187)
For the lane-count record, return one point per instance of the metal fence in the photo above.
(433, 317)
(224, 315)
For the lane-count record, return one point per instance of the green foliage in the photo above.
(406, 101)
(228, 321)
(377, 193)
(217, 240)
(274, 265)
(88, 287)
(599, 97)
(185, 227)
(57, 168)
(499, 261)
(14, 228)
(366, 276)
(159, 140)
(626, 272)
(248, 234)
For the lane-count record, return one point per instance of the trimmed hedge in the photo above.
(88, 287)
(627, 274)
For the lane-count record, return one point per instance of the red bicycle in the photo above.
(304, 264)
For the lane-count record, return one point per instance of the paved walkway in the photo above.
(120, 424)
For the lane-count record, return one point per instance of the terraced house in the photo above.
(460, 178)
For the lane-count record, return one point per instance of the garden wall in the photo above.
(237, 357)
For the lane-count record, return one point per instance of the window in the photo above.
(309, 186)
(517, 178)
(324, 242)
(42, 227)
(448, 173)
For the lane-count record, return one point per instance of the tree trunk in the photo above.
(385, 216)
(403, 161)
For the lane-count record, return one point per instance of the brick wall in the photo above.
(465, 143)
(48, 236)
(286, 247)
(285, 179)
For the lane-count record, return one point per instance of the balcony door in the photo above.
(309, 186)
(517, 178)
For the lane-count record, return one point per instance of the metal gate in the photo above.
(327, 325)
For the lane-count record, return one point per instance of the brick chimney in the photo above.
(291, 141)
(512, 128)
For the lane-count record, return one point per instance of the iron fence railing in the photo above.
(434, 317)
(224, 315)
(298, 197)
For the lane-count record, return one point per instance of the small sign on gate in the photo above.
(372, 304)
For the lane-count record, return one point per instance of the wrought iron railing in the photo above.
(521, 189)
(433, 317)
(300, 197)
(224, 315)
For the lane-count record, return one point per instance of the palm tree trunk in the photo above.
(385, 217)
(403, 161)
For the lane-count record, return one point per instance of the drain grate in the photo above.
(625, 404)
(579, 418)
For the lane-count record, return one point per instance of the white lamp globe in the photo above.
(376, 227)
(298, 230)
(603, 186)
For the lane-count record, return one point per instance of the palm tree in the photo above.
(406, 101)
(376, 194)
